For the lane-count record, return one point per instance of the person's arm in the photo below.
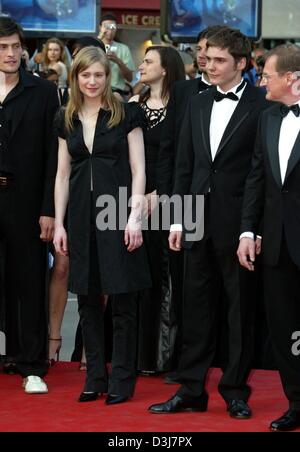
(126, 73)
(184, 166)
(133, 234)
(125, 62)
(61, 197)
(252, 208)
(46, 220)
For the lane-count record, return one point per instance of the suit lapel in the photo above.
(241, 112)
(273, 131)
(205, 124)
(294, 157)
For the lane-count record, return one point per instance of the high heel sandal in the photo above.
(55, 359)
(82, 366)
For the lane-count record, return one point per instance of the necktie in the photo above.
(284, 109)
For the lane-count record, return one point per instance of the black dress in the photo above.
(99, 260)
(108, 166)
(156, 325)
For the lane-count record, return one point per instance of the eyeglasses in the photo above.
(267, 77)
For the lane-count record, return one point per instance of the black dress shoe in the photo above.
(88, 396)
(10, 369)
(114, 399)
(239, 409)
(177, 404)
(289, 421)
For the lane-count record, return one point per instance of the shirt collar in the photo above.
(234, 89)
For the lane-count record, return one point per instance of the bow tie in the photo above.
(284, 109)
(220, 96)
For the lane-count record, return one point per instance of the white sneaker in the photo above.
(34, 385)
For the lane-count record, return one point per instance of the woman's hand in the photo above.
(61, 241)
(133, 237)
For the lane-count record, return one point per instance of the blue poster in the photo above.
(188, 17)
(71, 16)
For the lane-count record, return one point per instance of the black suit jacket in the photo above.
(224, 178)
(34, 150)
(267, 197)
(179, 98)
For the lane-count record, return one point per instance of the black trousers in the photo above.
(123, 374)
(25, 313)
(282, 301)
(206, 272)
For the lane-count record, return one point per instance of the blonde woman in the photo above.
(53, 57)
(101, 149)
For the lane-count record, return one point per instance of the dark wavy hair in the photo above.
(9, 27)
(172, 63)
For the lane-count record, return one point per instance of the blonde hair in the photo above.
(85, 58)
(63, 56)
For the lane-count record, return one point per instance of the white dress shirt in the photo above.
(220, 117)
(289, 130)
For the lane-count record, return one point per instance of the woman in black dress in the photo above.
(100, 151)
(160, 69)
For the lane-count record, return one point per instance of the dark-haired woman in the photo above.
(160, 69)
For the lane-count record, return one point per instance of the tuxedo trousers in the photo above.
(282, 302)
(24, 291)
(208, 270)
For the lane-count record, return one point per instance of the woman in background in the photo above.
(53, 57)
(160, 69)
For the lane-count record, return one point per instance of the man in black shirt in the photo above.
(27, 174)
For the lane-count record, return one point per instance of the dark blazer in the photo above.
(33, 147)
(224, 178)
(267, 196)
(179, 98)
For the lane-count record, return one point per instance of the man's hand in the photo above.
(47, 228)
(258, 246)
(113, 57)
(246, 253)
(175, 240)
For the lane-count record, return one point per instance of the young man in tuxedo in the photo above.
(214, 158)
(28, 160)
(272, 193)
(179, 98)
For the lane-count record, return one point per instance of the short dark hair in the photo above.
(210, 31)
(108, 16)
(87, 41)
(9, 27)
(232, 39)
(288, 57)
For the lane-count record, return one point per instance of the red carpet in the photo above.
(59, 411)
